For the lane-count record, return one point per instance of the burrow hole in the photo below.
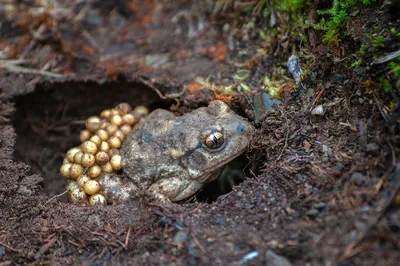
(48, 121)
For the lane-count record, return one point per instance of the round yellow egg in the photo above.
(114, 112)
(116, 162)
(71, 152)
(88, 160)
(111, 129)
(78, 157)
(113, 152)
(75, 171)
(89, 147)
(116, 120)
(102, 158)
(93, 123)
(103, 135)
(65, 161)
(84, 135)
(96, 140)
(78, 195)
(119, 134)
(105, 113)
(72, 185)
(129, 119)
(114, 142)
(107, 168)
(104, 146)
(91, 187)
(141, 110)
(124, 108)
(94, 171)
(65, 169)
(82, 179)
(97, 199)
(126, 129)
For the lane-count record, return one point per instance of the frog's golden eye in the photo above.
(214, 140)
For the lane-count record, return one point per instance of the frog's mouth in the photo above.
(211, 175)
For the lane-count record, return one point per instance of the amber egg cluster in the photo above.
(99, 152)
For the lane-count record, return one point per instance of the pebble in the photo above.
(320, 205)
(339, 79)
(339, 166)
(312, 212)
(220, 219)
(358, 179)
(180, 237)
(372, 147)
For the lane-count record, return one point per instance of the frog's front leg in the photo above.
(174, 188)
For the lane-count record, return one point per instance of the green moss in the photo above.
(338, 16)
(395, 33)
(284, 16)
(378, 42)
(362, 51)
(385, 84)
(360, 55)
(289, 5)
(394, 67)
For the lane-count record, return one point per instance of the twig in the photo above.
(286, 139)
(317, 98)
(203, 250)
(127, 237)
(10, 66)
(166, 97)
(56, 196)
(44, 248)
(9, 247)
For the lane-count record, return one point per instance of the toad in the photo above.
(175, 156)
(172, 156)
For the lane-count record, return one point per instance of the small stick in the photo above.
(10, 66)
(44, 248)
(127, 237)
(9, 247)
(56, 196)
(286, 139)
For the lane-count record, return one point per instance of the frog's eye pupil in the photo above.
(215, 140)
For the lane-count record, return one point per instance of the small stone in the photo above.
(220, 219)
(24, 190)
(320, 205)
(372, 147)
(312, 212)
(358, 179)
(339, 79)
(179, 225)
(339, 166)
(180, 237)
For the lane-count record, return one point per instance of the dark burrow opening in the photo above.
(48, 121)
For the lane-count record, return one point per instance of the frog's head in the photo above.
(222, 136)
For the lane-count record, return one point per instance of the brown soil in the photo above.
(320, 189)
